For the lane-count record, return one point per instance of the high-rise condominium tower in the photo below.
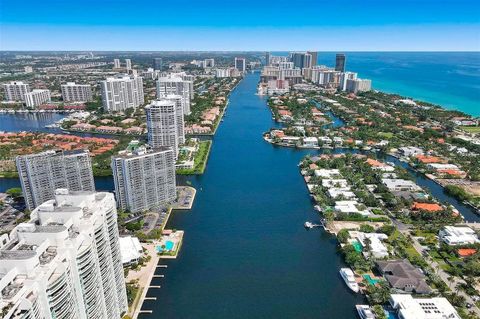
(37, 97)
(298, 59)
(144, 179)
(116, 63)
(240, 64)
(128, 63)
(173, 84)
(72, 92)
(340, 62)
(65, 261)
(314, 55)
(307, 60)
(163, 123)
(40, 174)
(158, 64)
(15, 91)
(122, 92)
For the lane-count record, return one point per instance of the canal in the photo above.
(246, 253)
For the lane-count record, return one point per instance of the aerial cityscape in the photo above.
(293, 173)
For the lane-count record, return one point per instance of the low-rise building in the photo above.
(397, 184)
(408, 151)
(327, 173)
(454, 235)
(408, 307)
(130, 250)
(371, 243)
(402, 275)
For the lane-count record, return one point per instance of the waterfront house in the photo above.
(332, 183)
(396, 184)
(377, 165)
(408, 307)
(402, 275)
(310, 142)
(408, 151)
(374, 247)
(427, 207)
(454, 235)
(344, 193)
(327, 173)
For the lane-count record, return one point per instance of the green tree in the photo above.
(15, 192)
(365, 228)
(343, 236)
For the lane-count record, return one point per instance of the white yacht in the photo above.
(365, 312)
(308, 225)
(349, 278)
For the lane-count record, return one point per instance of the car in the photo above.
(469, 305)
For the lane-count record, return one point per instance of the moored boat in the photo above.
(349, 278)
(365, 312)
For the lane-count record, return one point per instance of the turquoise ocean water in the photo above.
(450, 79)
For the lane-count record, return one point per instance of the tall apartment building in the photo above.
(358, 85)
(37, 97)
(144, 179)
(128, 64)
(65, 261)
(180, 106)
(314, 55)
(163, 125)
(15, 91)
(344, 77)
(72, 92)
(298, 59)
(209, 63)
(158, 64)
(307, 60)
(285, 65)
(122, 92)
(267, 58)
(116, 63)
(40, 174)
(240, 64)
(340, 62)
(176, 85)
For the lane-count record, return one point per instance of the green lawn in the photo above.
(200, 161)
(471, 129)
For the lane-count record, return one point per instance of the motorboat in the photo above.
(349, 278)
(308, 225)
(365, 312)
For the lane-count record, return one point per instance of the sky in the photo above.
(241, 25)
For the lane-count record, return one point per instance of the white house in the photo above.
(376, 246)
(327, 173)
(453, 235)
(340, 183)
(310, 141)
(344, 192)
(408, 151)
(422, 308)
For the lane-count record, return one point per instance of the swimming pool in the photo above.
(168, 246)
(357, 246)
(370, 280)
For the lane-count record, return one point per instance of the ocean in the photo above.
(449, 79)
